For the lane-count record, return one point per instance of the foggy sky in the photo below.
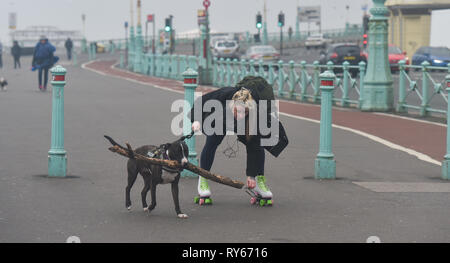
(105, 18)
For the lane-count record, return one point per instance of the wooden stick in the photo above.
(176, 165)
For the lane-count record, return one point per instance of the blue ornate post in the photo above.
(190, 84)
(325, 165)
(446, 161)
(57, 156)
(378, 91)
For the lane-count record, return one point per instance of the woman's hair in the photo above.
(244, 96)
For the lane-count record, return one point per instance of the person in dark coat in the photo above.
(16, 52)
(69, 45)
(240, 100)
(43, 60)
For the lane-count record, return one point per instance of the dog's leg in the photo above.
(132, 175)
(153, 195)
(176, 199)
(144, 193)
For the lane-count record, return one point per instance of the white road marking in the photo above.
(404, 187)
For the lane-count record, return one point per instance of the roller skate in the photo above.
(261, 194)
(204, 193)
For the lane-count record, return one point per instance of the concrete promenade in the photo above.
(387, 167)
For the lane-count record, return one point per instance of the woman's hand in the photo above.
(196, 126)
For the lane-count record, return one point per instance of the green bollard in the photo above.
(228, 72)
(189, 85)
(74, 57)
(93, 52)
(345, 84)
(325, 165)
(316, 66)
(84, 48)
(292, 79)
(57, 156)
(446, 161)
(401, 87)
(362, 73)
(304, 80)
(280, 78)
(424, 104)
(121, 63)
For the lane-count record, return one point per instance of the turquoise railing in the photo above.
(294, 81)
(165, 66)
(424, 90)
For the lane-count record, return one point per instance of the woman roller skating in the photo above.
(242, 102)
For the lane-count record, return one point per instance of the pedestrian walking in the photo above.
(16, 52)
(1, 51)
(69, 46)
(43, 60)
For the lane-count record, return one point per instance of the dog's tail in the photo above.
(114, 143)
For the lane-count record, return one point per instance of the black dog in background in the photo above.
(155, 174)
(3, 83)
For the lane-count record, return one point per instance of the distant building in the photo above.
(410, 22)
(29, 36)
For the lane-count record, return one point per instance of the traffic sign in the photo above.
(149, 18)
(206, 4)
(309, 14)
(201, 16)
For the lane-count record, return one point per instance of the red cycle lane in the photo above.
(423, 137)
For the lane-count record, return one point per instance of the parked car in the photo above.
(265, 52)
(436, 56)
(226, 49)
(338, 53)
(316, 41)
(215, 39)
(395, 55)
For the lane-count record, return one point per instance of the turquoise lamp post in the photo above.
(325, 164)
(57, 156)
(190, 84)
(378, 94)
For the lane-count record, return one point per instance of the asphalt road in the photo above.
(90, 203)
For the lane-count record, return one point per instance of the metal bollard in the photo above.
(189, 85)
(446, 161)
(424, 104)
(362, 73)
(401, 87)
(325, 165)
(121, 63)
(345, 84)
(280, 78)
(316, 82)
(304, 80)
(74, 57)
(57, 156)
